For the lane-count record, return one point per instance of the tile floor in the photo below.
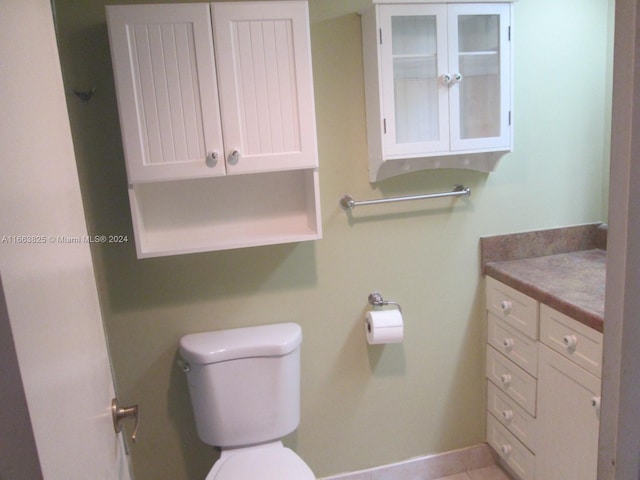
(492, 472)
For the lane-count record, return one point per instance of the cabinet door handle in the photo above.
(595, 403)
(212, 159)
(457, 77)
(507, 415)
(505, 378)
(446, 79)
(234, 157)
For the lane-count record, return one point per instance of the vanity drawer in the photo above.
(512, 452)
(572, 339)
(512, 380)
(513, 307)
(513, 344)
(513, 417)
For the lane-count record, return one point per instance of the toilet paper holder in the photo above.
(376, 300)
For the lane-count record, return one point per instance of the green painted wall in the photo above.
(361, 406)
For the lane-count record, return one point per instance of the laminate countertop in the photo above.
(572, 283)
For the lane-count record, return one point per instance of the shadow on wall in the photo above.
(205, 276)
(197, 457)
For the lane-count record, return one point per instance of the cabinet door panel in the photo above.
(479, 52)
(167, 94)
(568, 413)
(413, 59)
(266, 92)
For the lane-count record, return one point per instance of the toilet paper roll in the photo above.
(384, 326)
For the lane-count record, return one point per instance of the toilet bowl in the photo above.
(272, 461)
(244, 385)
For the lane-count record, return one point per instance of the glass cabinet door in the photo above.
(413, 53)
(479, 64)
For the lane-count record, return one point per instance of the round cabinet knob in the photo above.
(234, 157)
(507, 415)
(457, 77)
(212, 159)
(595, 403)
(570, 341)
(505, 378)
(506, 450)
(446, 79)
(506, 306)
(508, 344)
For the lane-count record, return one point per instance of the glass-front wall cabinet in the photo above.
(444, 79)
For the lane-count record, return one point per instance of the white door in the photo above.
(49, 283)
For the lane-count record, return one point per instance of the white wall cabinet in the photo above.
(543, 403)
(437, 85)
(207, 92)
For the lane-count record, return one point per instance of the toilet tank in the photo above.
(244, 383)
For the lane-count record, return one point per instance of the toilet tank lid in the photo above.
(261, 341)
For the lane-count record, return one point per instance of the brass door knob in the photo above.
(119, 414)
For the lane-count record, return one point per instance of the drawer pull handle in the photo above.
(570, 341)
(506, 306)
(507, 415)
(506, 450)
(508, 344)
(595, 403)
(505, 378)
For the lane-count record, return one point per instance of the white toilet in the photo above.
(245, 391)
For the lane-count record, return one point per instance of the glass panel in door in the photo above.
(415, 78)
(479, 67)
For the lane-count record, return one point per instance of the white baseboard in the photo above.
(429, 467)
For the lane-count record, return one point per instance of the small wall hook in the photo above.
(84, 96)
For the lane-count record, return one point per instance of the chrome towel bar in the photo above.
(348, 203)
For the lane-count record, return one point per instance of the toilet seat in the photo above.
(272, 461)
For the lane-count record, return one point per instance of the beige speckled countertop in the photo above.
(571, 282)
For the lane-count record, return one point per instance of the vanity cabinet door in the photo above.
(568, 419)
(165, 78)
